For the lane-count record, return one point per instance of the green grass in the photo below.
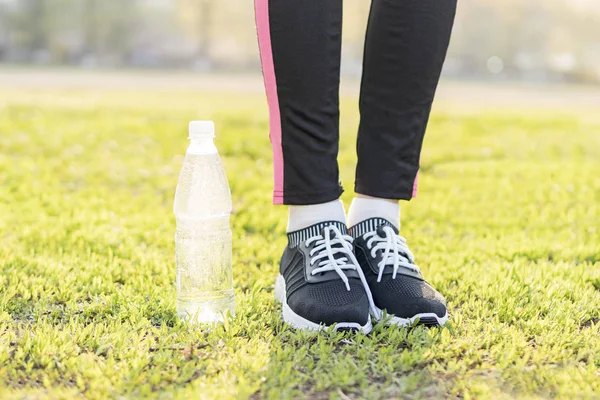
(506, 226)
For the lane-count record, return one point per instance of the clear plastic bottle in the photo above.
(203, 237)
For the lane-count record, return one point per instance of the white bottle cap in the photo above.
(201, 129)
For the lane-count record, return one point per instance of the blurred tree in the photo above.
(198, 17)
(37, 25)
(122, 20)
(89, 26)
(107, 29)
(4, 30)
(205, 13)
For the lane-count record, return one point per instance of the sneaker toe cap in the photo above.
(413, 307)
(406, 297)
(329, 303)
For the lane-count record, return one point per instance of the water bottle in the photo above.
(203, 236)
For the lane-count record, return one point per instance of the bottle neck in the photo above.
(202, 145)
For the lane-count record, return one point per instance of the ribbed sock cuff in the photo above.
(297, 237)
(370, 225)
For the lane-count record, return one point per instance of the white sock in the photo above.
(363, 208)
(301, 217)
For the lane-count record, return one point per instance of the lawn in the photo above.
(506, 226)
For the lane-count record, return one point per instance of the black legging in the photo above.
(300, 43)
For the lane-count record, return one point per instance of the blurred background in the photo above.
(547, 41)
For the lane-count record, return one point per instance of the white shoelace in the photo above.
(395, 251)
(324, 254)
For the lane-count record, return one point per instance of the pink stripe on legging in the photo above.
(261, 7)
(416, 186)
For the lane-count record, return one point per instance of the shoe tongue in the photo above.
(370, 225)
(297, 237)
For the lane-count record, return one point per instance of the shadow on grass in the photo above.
(390, 362)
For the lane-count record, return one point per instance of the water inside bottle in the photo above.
(203, 241)
(204, 279)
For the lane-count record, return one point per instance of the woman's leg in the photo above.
(405, 48)
(318, 284)
(300, 45)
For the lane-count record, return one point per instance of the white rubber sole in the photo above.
(427, 319)
(298, 322)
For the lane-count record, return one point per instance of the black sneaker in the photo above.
(320, 283)
(396, 283)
